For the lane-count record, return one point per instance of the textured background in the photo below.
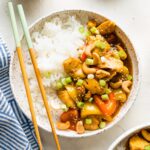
(133, 16)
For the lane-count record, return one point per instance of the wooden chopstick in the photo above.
(37, 72)
(24, 73)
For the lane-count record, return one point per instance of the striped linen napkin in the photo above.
(16, 130)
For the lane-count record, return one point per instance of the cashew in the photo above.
(63, 126)
(126, 85)
(79, 127)
(88, 70)
(96, 59)
(102, 74)
(89, 48)
(116, 85)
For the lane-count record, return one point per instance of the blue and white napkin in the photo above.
(16, 130)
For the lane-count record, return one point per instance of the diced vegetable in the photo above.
(80, 104)
(64, 107)
(89, 61)
(89, 109)
(79, 82)
(129, 77)
(59, 85)
(105, 97)
(68, 80)
(108, 91)
(46, 74)
(65, 98)
(100, 44)
(106, 107)
(63, 81)
(102, 83)
(94, 30)
(87, 33)
(83, 57)
(147, 147)
(102, 125)
(81, 29)
(88, 121)
(72, 92)
(122, 54)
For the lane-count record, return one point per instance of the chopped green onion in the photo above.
(94, 30)
(81, 29)
(79, 82)
(100, 44)
(122, 54)
(91, 99)
(108, 91)
(105, 97)
(87, 33)
(147, 147)
(59, 85)
(102, 125)
(63, 81)
(68, 80)
(88, 121)
(89, 61)
(80, 104)
(129, 77)
(47, 74)
(102, 83)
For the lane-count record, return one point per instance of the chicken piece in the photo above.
(87, 95)
(73, 67)
(72, 92)
(120, 95)
(65, 98)
(94, 125)
(71, 115)
(106, 27)
(111, 38)
(146, 135)
(111, 63)
(137, 143)
(93, 86)
(102, 74)
(80, 91)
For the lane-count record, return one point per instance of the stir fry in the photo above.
(140, 141)
(98, 81)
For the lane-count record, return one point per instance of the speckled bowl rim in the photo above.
(121, 115)
(128, 133)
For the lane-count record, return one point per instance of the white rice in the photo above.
(56, 42)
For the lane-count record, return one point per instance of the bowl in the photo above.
(120, 142)
(18, 86)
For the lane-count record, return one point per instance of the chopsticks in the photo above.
(37, 72)
(24, 73)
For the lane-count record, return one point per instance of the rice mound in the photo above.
(57, 41)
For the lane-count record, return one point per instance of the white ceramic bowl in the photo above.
(17, 83)
(120, 142)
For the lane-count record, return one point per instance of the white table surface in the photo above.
(133, 16)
